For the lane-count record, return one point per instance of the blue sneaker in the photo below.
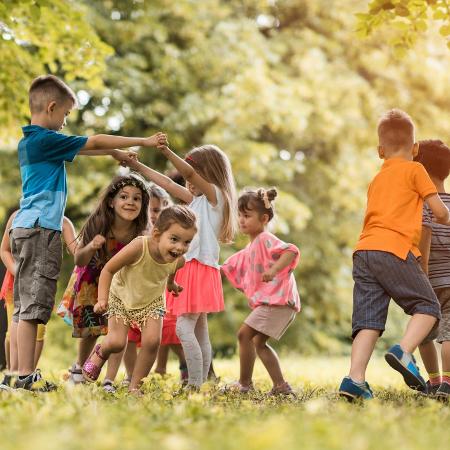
(354, 391)
(405, 363)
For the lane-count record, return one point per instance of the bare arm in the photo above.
(69, 235)
(189, 174)
(424, 247)
(285, 259)
(172, 286)
(84, 254)
(166, 183)
(5, 249)
(107, 141)
(440, 211)
(128, 255)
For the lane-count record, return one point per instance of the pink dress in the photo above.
(244, 270)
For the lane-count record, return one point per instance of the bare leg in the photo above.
(178, 350)
(26, 344)
(161, 360)
(8, 360)
(269, 358)
(13, 353)
(429, 357)
(445, 353)
(85, 346)
(151, 337)
(417, 330)
(129, 358)
(113, 365)
(362, 350)
(38, 352)
(247, 354)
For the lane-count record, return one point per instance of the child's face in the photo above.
(174, 242)
(154, 209)
(251, 222)
(127, 203)
(57, 114)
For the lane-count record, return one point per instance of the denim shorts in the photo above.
(38, 254)
(380, 276)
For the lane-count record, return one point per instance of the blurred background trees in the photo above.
(285, 88)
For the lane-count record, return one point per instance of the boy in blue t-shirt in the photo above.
(36, 229)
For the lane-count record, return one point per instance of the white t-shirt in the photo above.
(205, 245)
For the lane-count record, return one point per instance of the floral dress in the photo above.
(80, 296)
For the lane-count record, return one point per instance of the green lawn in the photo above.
(85, 417)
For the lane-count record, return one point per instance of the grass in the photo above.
(78, 417)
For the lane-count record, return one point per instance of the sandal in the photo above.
(237, 387)
(283, 389)
(91, 371)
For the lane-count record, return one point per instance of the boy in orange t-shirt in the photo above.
(385, 261)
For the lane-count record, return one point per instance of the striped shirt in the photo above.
(439, 261)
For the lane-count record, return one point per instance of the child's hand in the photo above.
(98, 242)
(156, 140)
(269, 275)
(101, 306)
(175, 288)
(124, 156)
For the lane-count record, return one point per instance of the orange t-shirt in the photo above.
(393, 221)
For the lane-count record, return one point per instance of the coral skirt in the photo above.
(169, 333)
(202, 290)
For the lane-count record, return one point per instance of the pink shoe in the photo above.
(91, 371)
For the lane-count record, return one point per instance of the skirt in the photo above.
(272, 321)
(169, 334)
(202, 290)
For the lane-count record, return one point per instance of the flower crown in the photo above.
(127, 182)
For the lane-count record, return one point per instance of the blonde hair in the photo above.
(396, 130)
(211, 163)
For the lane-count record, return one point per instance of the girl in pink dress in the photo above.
(210, 193)
(263, 271)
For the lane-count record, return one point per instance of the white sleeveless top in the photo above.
(205, 245)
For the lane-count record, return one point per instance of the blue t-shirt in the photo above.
(42, 157)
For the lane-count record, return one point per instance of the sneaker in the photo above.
(125, 382)
(8, 381)
(431, 389)
(34, 382)
(443, 393)
(284, 389)
(76, 374)
(354, 391)
(405, 363)
(108, 386)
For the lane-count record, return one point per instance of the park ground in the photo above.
(84, 417)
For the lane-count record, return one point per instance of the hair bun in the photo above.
(271, 194)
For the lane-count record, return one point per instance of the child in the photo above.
(68, 234)
(132, 286)
(159, 199)
(434, 246)
(210, 193)
(264, 272)
(36, 229)
(385, 262)
(120, 216)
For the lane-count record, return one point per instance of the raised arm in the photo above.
(440, 211)
(69, 235)
(5, 249)
(128, 255)
(107, 142)
(190, 175)
(174, 189)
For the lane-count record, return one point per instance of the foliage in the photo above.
(408, 19)
(40, 36)
(75, 416)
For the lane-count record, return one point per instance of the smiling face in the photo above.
(174, 242)
(127, 203)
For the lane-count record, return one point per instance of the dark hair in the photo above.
(179, 214)
(259, 200)
(158, 192)
(395, 130)
(435, 157)
(48, 88)
(102, 218)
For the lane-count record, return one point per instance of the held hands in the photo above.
(175, 288)
(124, 157)
(269, 275)
(98, 242)
(101, 306)
(156, 140)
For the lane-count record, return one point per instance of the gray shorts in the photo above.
(37, 253)
(441, 331)
(380, 276)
